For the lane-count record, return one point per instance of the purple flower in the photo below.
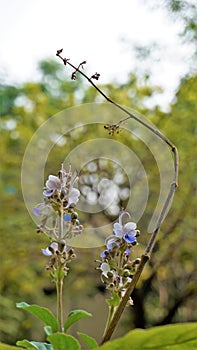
(53, 183)
(43, 209)
(53, 248)
(126, 231)
(64, 184)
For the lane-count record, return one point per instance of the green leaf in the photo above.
(90, 342)
(42, 313)
(8, 347)
(62, 341)
(74, 316)
(114, 301)
(48, 330)
(34, 345)
(171, 337)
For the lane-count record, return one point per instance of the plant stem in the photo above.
(59, 287)
(110, 316)
(121, 306)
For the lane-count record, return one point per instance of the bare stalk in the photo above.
(146, 256)
(59, 288)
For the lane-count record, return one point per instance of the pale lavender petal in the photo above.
(53, 182)
(54, 245)
(118, 230)
(46, 252)
(73, 196)
(130, 226)
(111, 243)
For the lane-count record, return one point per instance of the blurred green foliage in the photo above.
(167, 291)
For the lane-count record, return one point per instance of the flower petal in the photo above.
(104, 254)
(130, 226)
(129, 238)
(46, 252)
(105, 268)
(111, 243)
(73, 196)
(53, 182)
(48, 193)
(127, 252)
(37, 212)
(118, 230)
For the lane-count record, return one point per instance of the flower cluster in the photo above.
(59, 219)
(59, 256)
(116, 266)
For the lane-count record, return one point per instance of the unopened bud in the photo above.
(126, 273)
(138, 261)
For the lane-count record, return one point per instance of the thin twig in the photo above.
(146, 256)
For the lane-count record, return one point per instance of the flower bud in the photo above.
(110, 274)
(137, 261)
(137, 233)
(126, 273)
(74, 215)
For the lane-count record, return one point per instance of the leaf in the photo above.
(170, 337)
(114, 301)
(62, 341)
(8, 347)
(34, 345)
(42, 313)
(90, 342)
(48, 330)
(74, 316)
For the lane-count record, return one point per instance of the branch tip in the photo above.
(59, 52)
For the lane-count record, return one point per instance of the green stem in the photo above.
(119, 310)
(110, 316)
(59, 287)
(61, 221)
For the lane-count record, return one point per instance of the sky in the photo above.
(102, 32)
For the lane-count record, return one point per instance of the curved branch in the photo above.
(146, 256)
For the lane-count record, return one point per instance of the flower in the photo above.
(53, 183)
(43, 209)
(62, 185)
(53, 248)
(73, 197)
(126, 231)
(105, 268)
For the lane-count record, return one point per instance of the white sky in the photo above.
(31, 30)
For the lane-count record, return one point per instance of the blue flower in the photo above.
(126, 231)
